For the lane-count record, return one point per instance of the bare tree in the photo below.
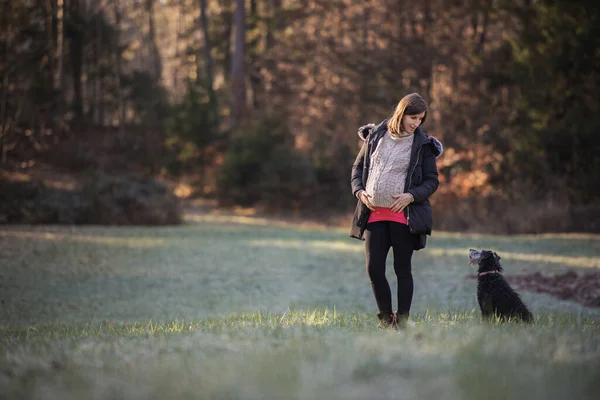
(76, 39)
(58, 47)
(208, 61)
(238, 79)
(227, 7)
(4, 75)
(118, 64)
(95, 85)
(154, 54)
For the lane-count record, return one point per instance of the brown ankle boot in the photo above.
(387, 320)
(400, 320)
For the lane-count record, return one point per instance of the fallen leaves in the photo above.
(583, 287)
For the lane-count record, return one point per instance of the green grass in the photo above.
(244, 308)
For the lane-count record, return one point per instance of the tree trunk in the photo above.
(238, 79)
(175, 75)
(273, 26)
(6, 24)
(154, 53)
(118, 61)
(97, 95)
(58, 46)
(428, 21)
(208, 62)
(4, 119)
(227, 7)
(364, 74)
(76, 52)
(254, 73)
(101, 102)
(274, 23)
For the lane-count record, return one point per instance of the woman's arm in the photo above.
(430, 181)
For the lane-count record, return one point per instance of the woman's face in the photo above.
(412, 122)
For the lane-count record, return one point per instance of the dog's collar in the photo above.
(488, 272)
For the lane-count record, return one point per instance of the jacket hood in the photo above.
(436, 145)
(365, 130)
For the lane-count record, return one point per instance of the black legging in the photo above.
(379, 237)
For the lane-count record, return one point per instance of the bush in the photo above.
(129, 200)
(191, 129)
(286, 179)
(332, 170)
(104, 200)
(260, 166)
(34, 203)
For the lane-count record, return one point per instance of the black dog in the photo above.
(495, 296)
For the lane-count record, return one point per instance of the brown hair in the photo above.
(411, 104)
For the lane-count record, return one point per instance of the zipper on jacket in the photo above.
(409, 183)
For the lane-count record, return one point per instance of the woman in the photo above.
(393, 177)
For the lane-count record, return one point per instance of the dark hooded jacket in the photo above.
(421, 181)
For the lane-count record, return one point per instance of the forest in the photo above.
(256, 104)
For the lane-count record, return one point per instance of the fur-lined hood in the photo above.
(436, 145)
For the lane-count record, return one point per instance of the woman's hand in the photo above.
(402, 200)
(364, 197)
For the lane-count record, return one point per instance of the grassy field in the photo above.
(229, 307)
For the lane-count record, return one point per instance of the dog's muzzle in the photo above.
(474, 256)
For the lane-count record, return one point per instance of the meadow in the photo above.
(234, 307)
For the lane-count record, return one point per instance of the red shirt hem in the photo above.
(385, 214)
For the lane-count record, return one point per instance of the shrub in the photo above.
(260, 166)
(332, 171)
(34, 203)
(129, 200)
(286, 179)
(104, 200)
(191, 130)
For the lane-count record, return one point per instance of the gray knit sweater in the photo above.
(388, 169)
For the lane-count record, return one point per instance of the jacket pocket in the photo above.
(363, 214)
(421, 218)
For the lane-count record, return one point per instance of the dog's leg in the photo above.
(486, 306)
(525, 315)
